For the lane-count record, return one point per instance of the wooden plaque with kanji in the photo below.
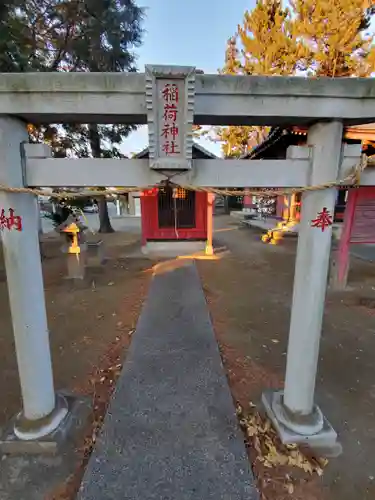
(170, 108)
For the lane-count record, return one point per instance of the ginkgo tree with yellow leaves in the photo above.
(313, 38)
(336, 35)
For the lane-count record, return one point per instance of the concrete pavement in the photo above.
(171, 432)
(364, 252)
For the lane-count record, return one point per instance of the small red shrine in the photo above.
(172, 214)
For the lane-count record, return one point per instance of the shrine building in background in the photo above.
(275, 147)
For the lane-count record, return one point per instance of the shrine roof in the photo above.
(280, 137)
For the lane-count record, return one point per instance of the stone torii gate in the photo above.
(170, 100)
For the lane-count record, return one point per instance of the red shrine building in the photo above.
(174, 219)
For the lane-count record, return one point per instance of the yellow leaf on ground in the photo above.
(290, 488)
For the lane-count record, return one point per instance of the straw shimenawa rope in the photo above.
(353, 179)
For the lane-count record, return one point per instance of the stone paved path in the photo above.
(171, 432)
(364, 252)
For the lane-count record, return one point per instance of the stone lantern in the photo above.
(75, 246)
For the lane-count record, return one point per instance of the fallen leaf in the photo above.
(319, 471)
(270, 451)
(290, 488)
(251, 430)
(307, 467)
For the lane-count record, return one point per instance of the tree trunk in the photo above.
(226, 205)
(104, 220)
(40, 231)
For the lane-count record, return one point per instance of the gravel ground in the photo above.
(249, 295)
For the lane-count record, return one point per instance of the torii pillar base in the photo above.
(317, 434)
(73, 413)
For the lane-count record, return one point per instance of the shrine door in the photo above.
(176, 208)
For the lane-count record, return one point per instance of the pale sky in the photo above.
(186, 33)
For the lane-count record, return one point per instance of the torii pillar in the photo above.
(210, 213)
(42, 410)
(293, 411)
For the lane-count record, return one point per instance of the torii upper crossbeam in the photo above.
(219, 99)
